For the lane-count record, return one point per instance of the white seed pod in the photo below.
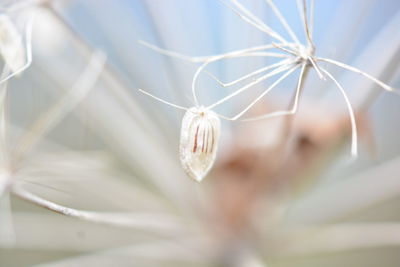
(199, 140)
(11, 45)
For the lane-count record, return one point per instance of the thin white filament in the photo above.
(283, 21)
(287, 50)
(312, 18)
(351, 114)
(258, 71)
(293, 110)
(162, 100)
(254, 21)
(205, 64)
(317, 69)
(353, 69)
(203, 58)
(284, 76)
(240, 90)
(302, 7)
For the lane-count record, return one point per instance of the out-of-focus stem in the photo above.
(118, 85)
(61, 108)
(340, 237)
(3, 119)
(26, 4)
(155, 223)
(388, 73)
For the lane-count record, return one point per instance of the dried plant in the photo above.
(90, 172)
(298, 55)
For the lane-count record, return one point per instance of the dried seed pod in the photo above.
(11, 45)
(199, 139)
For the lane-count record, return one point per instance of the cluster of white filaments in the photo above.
(15, 50)
(295, 55)
(16, 53)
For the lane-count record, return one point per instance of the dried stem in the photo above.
(165, 224)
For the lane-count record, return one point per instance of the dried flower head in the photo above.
(297, 55)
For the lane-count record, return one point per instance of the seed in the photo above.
(199, 139)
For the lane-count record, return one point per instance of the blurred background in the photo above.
(76, 131)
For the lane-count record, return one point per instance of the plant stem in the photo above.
(158, 223)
